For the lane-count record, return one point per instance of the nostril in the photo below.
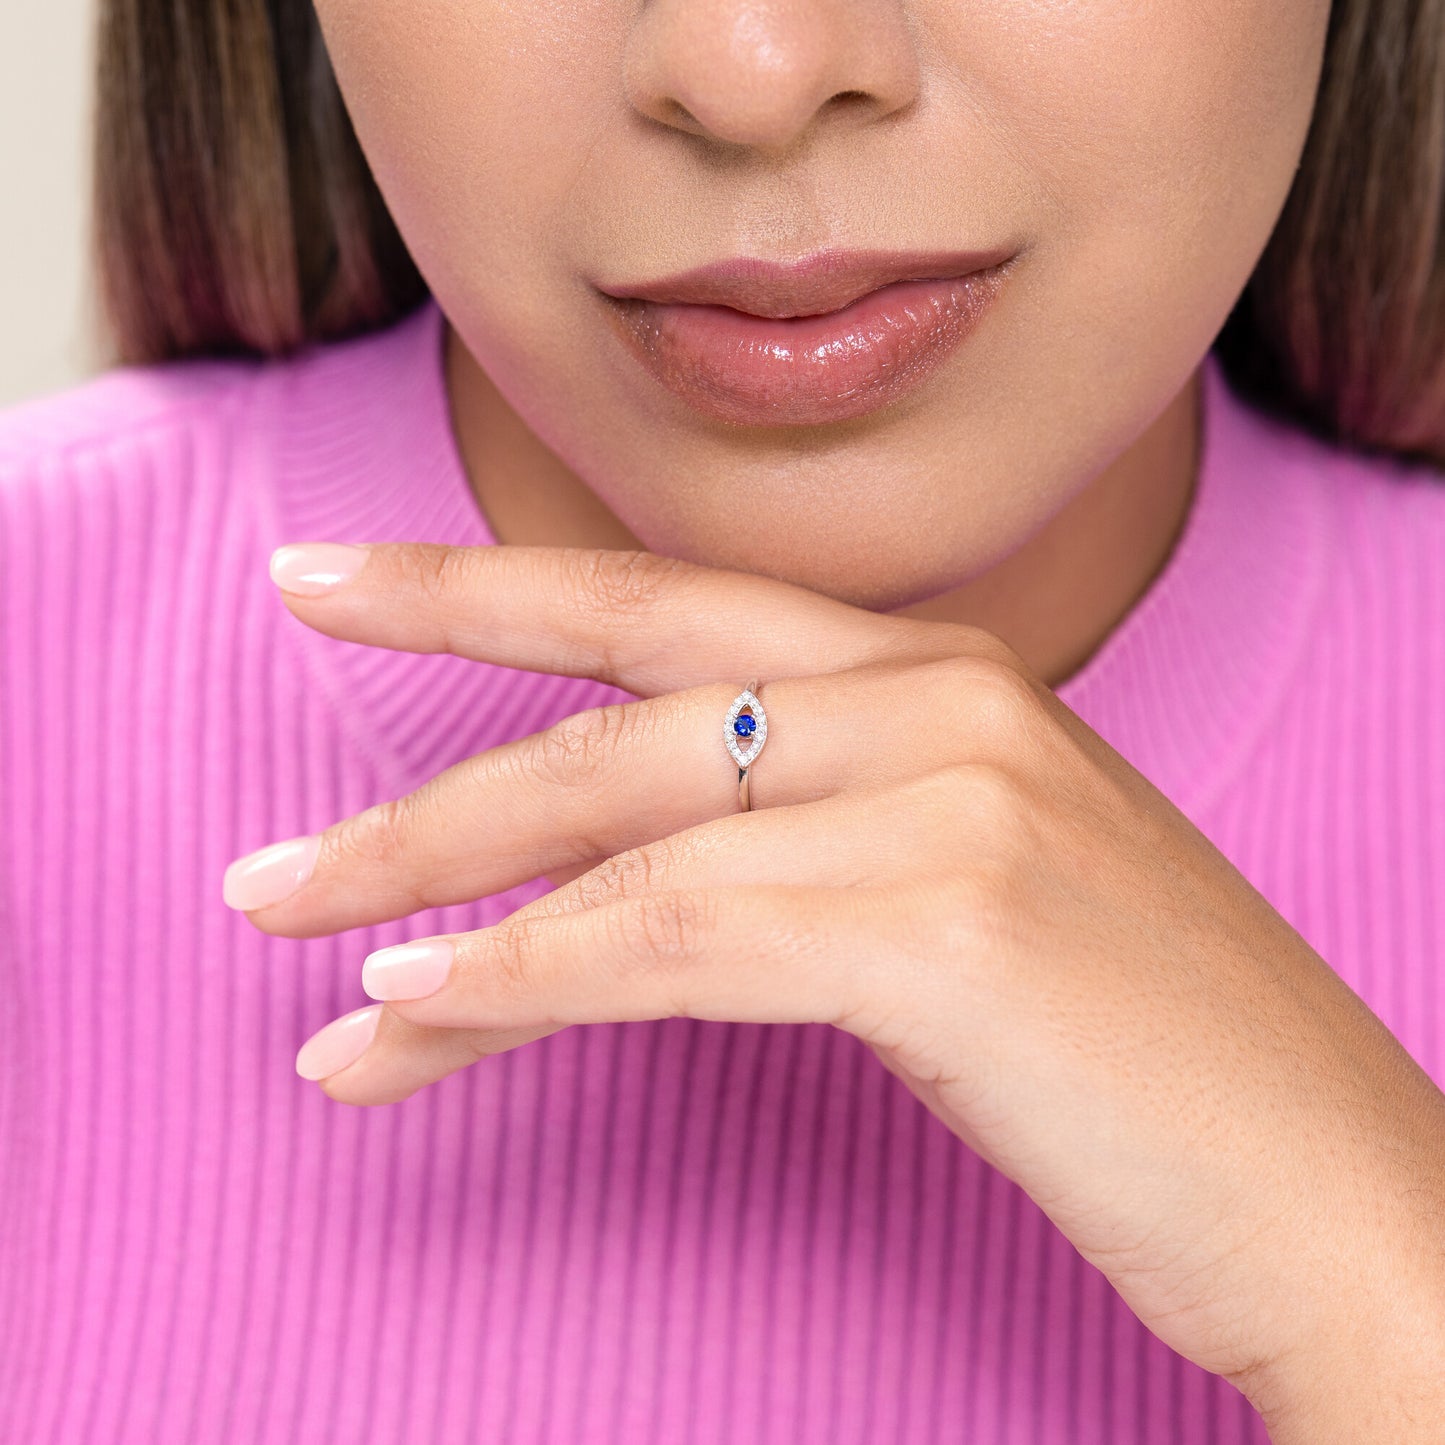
(683, 114)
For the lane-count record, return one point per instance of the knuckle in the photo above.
(927, 932)
(442, 578)
(991, 793)
(382, 838)
(963, 928)
(621, 582)
(502, 959)
(999, 704)
(623, 875)
(376, 834)
(998, 828)
(991, 647)
(616, 588)
(662, 930)
(432, 569)
(574, 750)
(1004, 807)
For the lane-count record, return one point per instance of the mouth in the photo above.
(817, 285)
(838, 335)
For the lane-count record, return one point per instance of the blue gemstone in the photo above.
(745, 724)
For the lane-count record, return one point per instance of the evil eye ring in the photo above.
(746, 723)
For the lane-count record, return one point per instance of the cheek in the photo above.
(475, 117)
(1160, 110)
(1160, 139)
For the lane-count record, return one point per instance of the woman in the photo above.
(1018, 430)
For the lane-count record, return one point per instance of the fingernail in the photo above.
(270, 874)
(408, 970)
(339, 1044)
(312, 568)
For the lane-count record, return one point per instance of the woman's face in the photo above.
(1135, 154)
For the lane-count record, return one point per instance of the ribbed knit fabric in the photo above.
(665, 1232)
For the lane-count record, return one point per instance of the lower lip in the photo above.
(807, 370)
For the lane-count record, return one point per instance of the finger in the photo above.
(756, 953)
(638, 620)
(400, 1058)
(863, 839)
(766, 954)
(832, 839)
(617, 776)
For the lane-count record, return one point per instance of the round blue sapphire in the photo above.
(745, 724)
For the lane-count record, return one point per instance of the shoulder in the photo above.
(1372, 679)
(118, 409)
(1385, 539)
(125, 451)
(134, 421)
(193, 459)
(1353, 753)
(1386, 501)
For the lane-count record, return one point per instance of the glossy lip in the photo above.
(823, 282)
(835, 336)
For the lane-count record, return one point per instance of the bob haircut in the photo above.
(234, 212)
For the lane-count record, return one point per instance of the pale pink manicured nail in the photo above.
(340, 1043)
(312, 568)
(270, 874)
(407, 970)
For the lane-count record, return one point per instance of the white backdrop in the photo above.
(47, 337)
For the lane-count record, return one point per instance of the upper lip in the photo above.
(825, 281)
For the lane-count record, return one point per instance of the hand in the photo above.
(942, 859)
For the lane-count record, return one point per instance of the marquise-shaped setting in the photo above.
(744, 705)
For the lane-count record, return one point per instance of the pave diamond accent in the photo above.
(745, 700)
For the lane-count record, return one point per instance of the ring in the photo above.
(746, 719)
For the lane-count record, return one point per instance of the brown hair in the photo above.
(234, 212)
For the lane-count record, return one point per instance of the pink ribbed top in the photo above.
(664, 1232)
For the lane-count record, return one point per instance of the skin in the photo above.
(1140, 149)
(1018, 923)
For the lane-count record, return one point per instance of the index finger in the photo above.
(639, 620)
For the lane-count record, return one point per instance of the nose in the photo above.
(766, 73)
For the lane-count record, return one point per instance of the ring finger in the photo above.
(615, 777)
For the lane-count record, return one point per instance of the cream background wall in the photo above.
(46, 310)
